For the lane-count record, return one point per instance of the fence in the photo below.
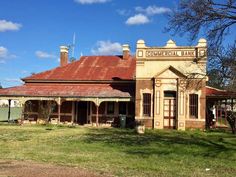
(15, 113)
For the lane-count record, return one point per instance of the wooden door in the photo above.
(170, 113)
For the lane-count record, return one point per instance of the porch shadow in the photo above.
(156, 143)
(125, 88)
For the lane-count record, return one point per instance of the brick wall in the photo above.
(141, 84)
(194, 124)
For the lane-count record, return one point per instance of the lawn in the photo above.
(122, 152)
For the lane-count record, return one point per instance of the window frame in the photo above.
(193, 106)
(147, 101)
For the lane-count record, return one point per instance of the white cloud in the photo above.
(153, 10)
(91, 1)
(4, 54)
(41, 54)
(14, 80)
(107, 48)
(9, 26)
(137, 19)
(144, 14)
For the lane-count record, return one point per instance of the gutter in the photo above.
(78, 81)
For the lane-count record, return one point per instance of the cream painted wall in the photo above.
(185, 62)
(150, 68)
(151, 60)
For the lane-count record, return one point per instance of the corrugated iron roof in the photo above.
(214, 92)
(91, 68)
(71, 90)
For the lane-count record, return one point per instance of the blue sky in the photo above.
(32, 31)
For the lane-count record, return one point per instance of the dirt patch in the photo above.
(33, 169)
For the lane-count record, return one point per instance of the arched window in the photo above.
(193, 105)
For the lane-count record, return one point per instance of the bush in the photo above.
(231, 118)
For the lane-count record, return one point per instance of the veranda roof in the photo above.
(70, 90)
(212, 92)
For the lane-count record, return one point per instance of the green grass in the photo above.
(122, 152)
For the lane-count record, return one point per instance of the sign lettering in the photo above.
(170, 53)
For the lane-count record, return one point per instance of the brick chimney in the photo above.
(64, 55)
(126, 51)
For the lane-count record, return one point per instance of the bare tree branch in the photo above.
(222, 67)
(209, 16)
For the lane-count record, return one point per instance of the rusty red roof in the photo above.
(214, 92)
(71, 90)
(90, 68)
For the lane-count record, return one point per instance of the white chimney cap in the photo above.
(64, 48)
(125, 47)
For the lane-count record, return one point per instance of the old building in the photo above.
(170, 85)
(91, 90)
(164, 87)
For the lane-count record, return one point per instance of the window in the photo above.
(110, 107)
(147, 104)
(193, 105)
(122, 108)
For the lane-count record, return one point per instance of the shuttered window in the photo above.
(193, 105)
(147, 104)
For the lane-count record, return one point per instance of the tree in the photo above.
(215, 78)
(222, 74)
(222, 67)
(46, 109)
(214, 17)
(231, 118)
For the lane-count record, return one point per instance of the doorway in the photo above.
(82, 112)
(170, 109)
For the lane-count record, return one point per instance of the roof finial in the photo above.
(170, 43)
